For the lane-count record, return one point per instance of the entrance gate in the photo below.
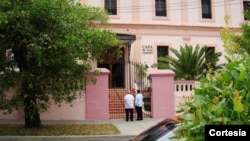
(123, 75)
(116, 93)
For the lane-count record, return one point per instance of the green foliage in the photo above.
(228, 37)
(141, 70)
(46, 47)
(243, 39)
(190, 63)
(223, 98)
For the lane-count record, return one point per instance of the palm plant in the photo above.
(190, 63)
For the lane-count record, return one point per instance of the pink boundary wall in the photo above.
(162, 100)
(95, 105)
(73, 111)
(97, 98)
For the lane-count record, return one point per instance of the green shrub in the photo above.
(147, 104)
(223, 98)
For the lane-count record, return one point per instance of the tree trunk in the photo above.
(32, 115)
(31, 110)
(33, 122)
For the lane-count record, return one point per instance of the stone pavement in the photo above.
(127, 130)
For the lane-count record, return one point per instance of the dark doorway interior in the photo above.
(115, 65)
(116, 68)
(118, 75)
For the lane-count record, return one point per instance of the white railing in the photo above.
(183, 89)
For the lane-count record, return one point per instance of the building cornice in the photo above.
(158, 29)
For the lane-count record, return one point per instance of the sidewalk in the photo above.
(127, 129)
(135, 127)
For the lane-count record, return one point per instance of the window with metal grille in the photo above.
(206, 9)
(160, 8)
(111, 6)
(162, 51)
(209, 52)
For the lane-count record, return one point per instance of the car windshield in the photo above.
(158, 130)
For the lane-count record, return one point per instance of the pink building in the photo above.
(149, 28)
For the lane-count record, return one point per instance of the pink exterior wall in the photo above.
(66, 111)
(97, 98)
(182, 25)
(73, 111)
(93, 106)
(11, 116)
(162, 100)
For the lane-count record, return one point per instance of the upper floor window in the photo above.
(206, 9)
(111, 6)
(160, 8)
(246, 6)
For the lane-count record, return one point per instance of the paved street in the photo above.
(67, 138)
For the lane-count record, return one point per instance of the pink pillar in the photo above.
(162, 100)
(97, 98)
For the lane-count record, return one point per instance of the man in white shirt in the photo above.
(138, 105)
(129, 106)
